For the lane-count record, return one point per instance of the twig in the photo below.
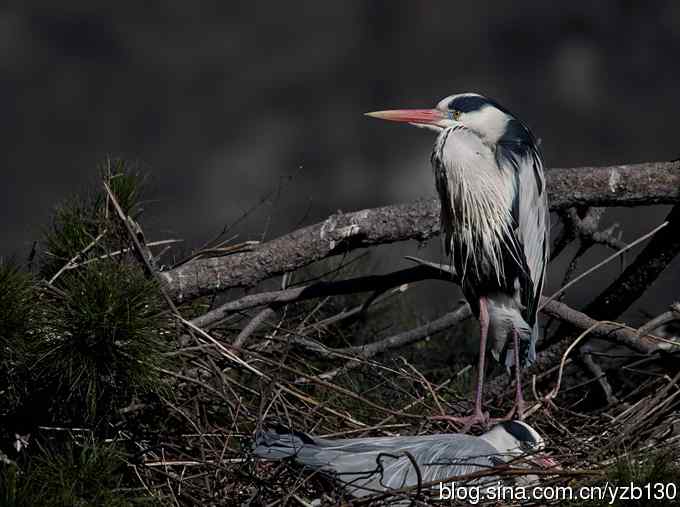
(125, 250)
(138, 247)
(666, 317)
(218, 251)
(76, 257)
(345, 314)
(323, 383)
(427, 384)
(616, 332)
(320, 289)
(420, 400)
(226, 352)
(605, 261)
(598, 373)
(641, 273)
(364, 352)
(252, 326)
(412, 335)
(553, 392)
(586, 227)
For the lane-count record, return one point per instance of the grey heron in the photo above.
(495, 224)
(376, 464)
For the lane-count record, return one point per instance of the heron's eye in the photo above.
(454, 114)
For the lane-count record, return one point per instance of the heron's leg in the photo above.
(477, 416)
(518, 408)
(483, 332)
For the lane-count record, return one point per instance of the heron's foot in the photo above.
(547, 402)
(466, 422)
(516, 412)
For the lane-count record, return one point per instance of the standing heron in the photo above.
(495, 223)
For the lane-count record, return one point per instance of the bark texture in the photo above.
(622, 185)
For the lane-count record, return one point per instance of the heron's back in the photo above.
(367, 465)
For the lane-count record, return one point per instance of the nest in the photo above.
(629, 433)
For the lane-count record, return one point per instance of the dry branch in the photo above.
(598, 374)
(577, 321)
(252, 326)
(395, 341)
(663, 319)
(640, 274)
(624, 185)
(637, 277)
(604, 330)
(581, 321)
(369, 283)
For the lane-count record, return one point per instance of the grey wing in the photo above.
(440, 460)
(532, 225)
(531, 217)
(375, 464)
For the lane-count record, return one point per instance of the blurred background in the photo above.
(250, 113)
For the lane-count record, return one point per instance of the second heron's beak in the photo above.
(544, 461)
(414, 116)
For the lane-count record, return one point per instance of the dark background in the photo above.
(226, 103)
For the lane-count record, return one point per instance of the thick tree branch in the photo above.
(622, 185)
(625, 185)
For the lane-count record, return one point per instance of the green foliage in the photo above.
(656, 466)
(102, 339)
(76, 475)
(77, 224)
(74, 226)
(78, 349)
(17, 303)
(9, 493)
(639, 469)
(126, 184)
(100, 330)
(17, 300)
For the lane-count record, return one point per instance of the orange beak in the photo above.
(417, 116)
(545, 461)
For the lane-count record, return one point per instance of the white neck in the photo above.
(489, 123)
(506, 444)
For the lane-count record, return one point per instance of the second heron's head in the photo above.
(516, 439)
